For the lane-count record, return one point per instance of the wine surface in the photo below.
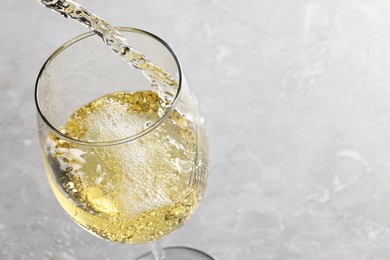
(134, 192)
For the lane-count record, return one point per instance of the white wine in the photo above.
(134, 192)
(141, 190)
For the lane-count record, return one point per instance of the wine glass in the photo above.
(126, 159)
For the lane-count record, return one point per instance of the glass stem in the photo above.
(158, 251)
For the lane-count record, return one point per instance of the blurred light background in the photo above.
(296, 97)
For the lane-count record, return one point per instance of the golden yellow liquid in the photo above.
(135, 192)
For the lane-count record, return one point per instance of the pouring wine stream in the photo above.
(116, 41)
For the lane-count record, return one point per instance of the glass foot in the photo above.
(179, 253)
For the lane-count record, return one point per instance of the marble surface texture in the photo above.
(296, 97)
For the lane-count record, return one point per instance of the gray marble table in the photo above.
(296, 96)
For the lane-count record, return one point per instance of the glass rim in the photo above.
(121, 140)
